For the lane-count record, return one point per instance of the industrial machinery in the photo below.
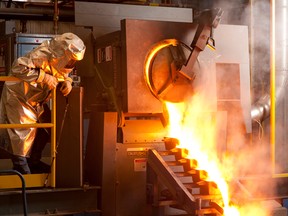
(14, 45)
(137, 70)
(131, 165)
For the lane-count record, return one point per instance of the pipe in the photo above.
(36, 14)
(273, 83)
(56, 17)
(262, 108)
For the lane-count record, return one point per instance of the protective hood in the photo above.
(22, 101)
(66, 50)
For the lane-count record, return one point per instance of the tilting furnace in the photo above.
(138, 168)
(137, 70)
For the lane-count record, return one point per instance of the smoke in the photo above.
(245, 158)
(256, 15)
(260, 48)
(248, 156)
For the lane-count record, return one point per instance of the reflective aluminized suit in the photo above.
(22, 101)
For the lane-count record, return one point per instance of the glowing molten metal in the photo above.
(196, 132)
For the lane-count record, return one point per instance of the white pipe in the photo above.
(261, 109)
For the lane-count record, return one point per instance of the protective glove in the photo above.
(66, 87)
(51, 81)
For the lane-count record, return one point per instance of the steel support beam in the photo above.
(170, 180)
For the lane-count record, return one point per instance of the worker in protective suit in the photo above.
(25, 101)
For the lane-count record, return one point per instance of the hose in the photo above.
(59, 138)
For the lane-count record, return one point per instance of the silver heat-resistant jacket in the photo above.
(21, 101)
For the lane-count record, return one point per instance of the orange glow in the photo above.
(151, 56)
(231, 211)
(196, 132)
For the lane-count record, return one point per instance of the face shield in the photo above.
(66, 50)
(70, 64)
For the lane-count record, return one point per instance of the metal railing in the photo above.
(51, 125)
(24, 198)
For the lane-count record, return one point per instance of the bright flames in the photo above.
(196, 132)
